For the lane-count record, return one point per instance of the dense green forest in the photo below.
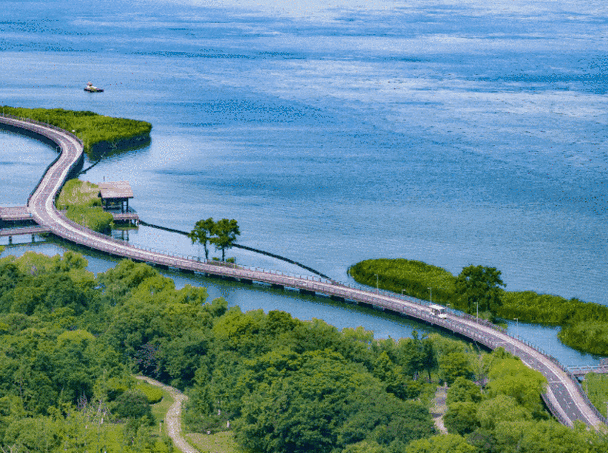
(71, 341)
(584, 325)
(98, 133)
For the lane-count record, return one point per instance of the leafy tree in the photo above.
(512, 378)
(118, 282)
(319, 401)
(73, 364)
(38, 434)
(429, 356)
(463, 390)
(179, 357)
(403, 387)
(479, 287)
(461, 418)
(417, 354)
(502, 408)
(225, 235)
(483, 439)
(364, 447)
(455, 365)
(202, 233)
(546, 436)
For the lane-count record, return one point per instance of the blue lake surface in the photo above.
(454, 133)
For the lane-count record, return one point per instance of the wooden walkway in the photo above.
(581, 371)
(15, 214)
(124, 216)
(20, 231)
(564, 396)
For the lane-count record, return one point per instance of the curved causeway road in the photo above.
(564, 396)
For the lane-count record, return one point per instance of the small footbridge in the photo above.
(564, 396)
(582, 371)
(17, 221)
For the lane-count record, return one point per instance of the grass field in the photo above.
(77, 192)
(222, 442)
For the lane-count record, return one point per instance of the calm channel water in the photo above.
(450, 132)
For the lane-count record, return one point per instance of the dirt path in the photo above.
(173, 419)
(439, 408)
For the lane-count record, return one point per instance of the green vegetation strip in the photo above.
(413, 278)
(98, 133)
(80, 200)
(584, 325)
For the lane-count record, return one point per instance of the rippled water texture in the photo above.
(451, 132)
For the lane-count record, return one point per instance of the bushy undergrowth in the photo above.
(92, 128)
(78, 193)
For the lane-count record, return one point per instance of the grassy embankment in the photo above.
(82, 204)
(596, 386)
(100, 134)
(584, 325)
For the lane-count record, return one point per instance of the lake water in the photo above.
(454, 133)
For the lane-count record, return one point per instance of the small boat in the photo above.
(92, 89)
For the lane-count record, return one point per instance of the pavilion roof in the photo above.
(115, 189)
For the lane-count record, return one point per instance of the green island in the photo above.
(71, 344)
(81, 203)
(101, 135)
(584, 325)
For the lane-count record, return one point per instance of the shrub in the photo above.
(153, 394)
(132, 404)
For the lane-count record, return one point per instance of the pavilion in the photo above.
(115, 195)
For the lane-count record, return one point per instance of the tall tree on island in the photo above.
(202, 233)
(479, 287)
(225, 234)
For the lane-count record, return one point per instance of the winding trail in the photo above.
(439, 408)
(564, 396)
(173, 418)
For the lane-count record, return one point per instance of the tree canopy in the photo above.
(479, 287)
(222, 234)
(70, 341)
(202, 233)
